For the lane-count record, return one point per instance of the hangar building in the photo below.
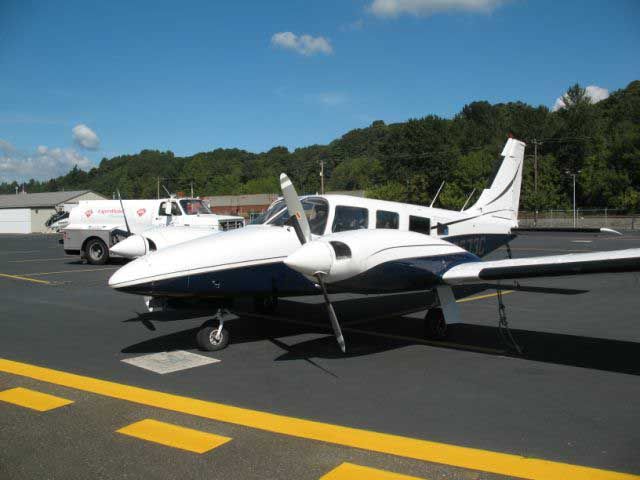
(28, 212)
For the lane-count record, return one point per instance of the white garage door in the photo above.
(15, 220)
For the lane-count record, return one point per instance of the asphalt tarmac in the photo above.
(464, 408)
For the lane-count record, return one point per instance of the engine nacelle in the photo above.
(343, 255)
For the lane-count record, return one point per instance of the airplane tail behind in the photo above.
(502, 198)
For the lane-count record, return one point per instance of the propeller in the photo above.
(301, 226)
(124, 214)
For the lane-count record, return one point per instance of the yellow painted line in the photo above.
(350, 471)
(463, 457)
(26, 279)
(32, 399)
(38, 260)
(174, 436)
(480, 297)
(73, 271)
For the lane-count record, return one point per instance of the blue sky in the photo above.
(194, 76)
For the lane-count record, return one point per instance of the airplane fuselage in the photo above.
(250, 261)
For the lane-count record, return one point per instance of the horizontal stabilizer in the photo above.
(547, 266)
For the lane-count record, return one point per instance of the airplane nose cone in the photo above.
(131, 247)
(129, 273)
(311, 258)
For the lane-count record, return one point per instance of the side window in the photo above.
(175, 210)
(386, 219)
(350, 218)
(420, 224)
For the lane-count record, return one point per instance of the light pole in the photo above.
(575, 216)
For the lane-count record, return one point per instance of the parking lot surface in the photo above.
(93, 386)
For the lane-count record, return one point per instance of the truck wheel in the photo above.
(207, 340)
(96, 252)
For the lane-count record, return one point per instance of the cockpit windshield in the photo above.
(316, 210)
(194, 207)
(271, 211)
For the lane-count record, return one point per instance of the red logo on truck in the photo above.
(141, 211)
(88, 213)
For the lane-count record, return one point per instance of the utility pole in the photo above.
(158, 197)
(575, 218)
(191, 188)
(321, 177)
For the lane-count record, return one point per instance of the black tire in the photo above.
(207, 341)
(96, 252)
(265, 305)
(435, 325)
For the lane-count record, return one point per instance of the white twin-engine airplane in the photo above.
(333, 243)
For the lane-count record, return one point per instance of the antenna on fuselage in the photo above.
(468, 200)
(437, 193)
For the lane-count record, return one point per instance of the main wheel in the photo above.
(266, 305)
(435, 326)
(96, 252)
(209, 341)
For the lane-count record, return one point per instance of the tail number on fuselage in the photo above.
(476, 244)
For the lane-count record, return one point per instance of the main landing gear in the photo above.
(212, 335)
(435, 325)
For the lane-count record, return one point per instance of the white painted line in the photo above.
(581, 241)
(169, 362)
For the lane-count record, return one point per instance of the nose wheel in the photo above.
(212, 335)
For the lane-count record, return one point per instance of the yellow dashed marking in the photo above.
(32, 399)
(349, 471)
(480, 297)
(26, 279)
(174, 436)
(77, 270)
(425, 450)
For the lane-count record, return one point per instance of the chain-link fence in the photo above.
(584, 217)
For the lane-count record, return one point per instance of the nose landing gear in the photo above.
(212, 335)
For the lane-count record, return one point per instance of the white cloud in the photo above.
(394, 8)
(6, 146)
(42, 164)
(303, 44)
(593, 92)
(85, 137)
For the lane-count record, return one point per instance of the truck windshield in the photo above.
(194, 207)
(316, 210)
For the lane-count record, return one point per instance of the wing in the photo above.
(548, 266)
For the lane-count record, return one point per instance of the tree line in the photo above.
(599, 143)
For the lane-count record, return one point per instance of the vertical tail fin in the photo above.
(503, 197)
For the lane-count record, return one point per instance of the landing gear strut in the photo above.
(212, 335)
(435, 325)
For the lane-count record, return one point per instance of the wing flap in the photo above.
(615, 261)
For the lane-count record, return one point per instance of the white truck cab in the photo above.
(97, 225)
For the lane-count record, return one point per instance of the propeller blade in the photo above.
(124, 214)
(332, 316)
(295, 207)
